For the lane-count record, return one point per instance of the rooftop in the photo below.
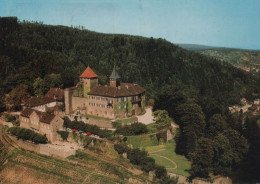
(114, 74)
(37, 101)
(55, 93)
(43, 116)
(124, 90)
(88, 73)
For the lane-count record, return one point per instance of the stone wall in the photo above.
(78, 102)
(58, 151)
(100, 123)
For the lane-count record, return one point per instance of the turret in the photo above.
(115, 78)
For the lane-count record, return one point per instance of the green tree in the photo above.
(238, 144)
(39, 87)
(2, 100)
(215, 125)
(53, 81)
(191, 114)
(222, 160)
(162, 119)
(18, 95)
(202, 158)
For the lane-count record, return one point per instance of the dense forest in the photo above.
(195, 89)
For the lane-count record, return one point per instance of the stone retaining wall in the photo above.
(57, 151)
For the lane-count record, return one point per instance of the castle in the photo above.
(118, 100)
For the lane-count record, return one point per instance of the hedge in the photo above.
(27, 134)
(79, 125)
(133, 129)
(64, 135)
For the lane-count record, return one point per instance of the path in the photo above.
(175, 167)
(160, 150)
(156, 151)
(146, 118)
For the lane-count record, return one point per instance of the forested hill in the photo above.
(32, 50)
(237, 57)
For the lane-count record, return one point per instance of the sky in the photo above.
(223, 23)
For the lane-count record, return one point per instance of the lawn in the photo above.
(125, 120)
(152, 128)
(142, 141)
(96, 117)
(182, 163)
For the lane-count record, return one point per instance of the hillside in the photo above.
(237, 57)
(195, 47)
(241, 58)
(194, 89)
(86, 166)
(31, 50)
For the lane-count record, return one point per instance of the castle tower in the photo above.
(89, 79)
(115, 78)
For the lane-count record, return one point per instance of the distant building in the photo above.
(257, 101)
(113, 101)
(41, 122)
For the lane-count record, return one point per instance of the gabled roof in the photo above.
(27, 112)
(55, 93)
(44, 117)
(114, 74)
(37, 101)
(124, 90)
(88, 73)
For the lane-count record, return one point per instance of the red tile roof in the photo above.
(88, 73)
(123, 90)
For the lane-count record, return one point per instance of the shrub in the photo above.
(160, 172)
(133, 129)
(40, 139)
(80, 125)
(10, 118)
(140, 157)
(120, 148)
(148, 164)
(64, 135)
(161, 136)
(27, 134)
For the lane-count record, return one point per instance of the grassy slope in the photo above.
(50, 170)
(182, 163)
(150, 144)
(100, 164)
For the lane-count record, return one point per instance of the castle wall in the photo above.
(78, 103)
(98, 106)
(67, 100)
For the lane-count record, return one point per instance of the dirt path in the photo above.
(156, 151)
(147, 118)
(175, 167)
(160, 150)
